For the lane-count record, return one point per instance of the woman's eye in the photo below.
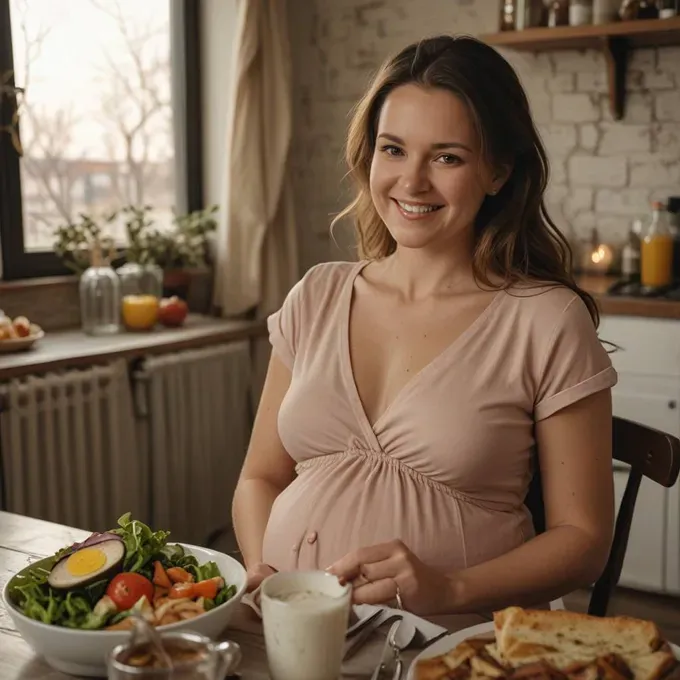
(391, 150)
(450, 159)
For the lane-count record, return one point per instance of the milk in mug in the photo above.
(305, 617)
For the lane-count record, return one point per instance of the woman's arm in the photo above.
(267, 469)
(575, 453)
(574, 448)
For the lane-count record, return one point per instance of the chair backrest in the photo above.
(649, 453)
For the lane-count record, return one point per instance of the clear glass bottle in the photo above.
(141, 289)
(580, 12)
(558, 13)
(656, 254)
(630, 255)
(141, 279)
(99, 296)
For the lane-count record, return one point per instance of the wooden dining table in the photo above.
(25, 539)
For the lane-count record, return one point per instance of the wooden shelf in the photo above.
(615, 40)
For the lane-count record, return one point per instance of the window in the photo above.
(99, 108)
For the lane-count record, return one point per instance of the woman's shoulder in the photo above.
(319, 285)
(545, 301)
(323, 280)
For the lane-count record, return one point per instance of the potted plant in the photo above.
(184, 250)
(75, 242)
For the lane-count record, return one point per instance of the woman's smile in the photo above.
(416, 211)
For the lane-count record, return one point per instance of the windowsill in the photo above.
(72, 348)
(38, 282)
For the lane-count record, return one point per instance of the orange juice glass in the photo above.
(140, 312)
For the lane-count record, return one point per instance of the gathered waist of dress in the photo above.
(371, 457)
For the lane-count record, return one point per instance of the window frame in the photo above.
(186, 90)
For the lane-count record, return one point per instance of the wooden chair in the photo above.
(649, 453)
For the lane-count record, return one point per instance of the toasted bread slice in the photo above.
(566, 639)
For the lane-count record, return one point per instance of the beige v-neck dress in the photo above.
(446, 467)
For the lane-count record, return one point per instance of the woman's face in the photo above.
(428, 179)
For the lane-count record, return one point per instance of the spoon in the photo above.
(144, 633)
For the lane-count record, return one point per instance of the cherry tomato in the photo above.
(125, 589)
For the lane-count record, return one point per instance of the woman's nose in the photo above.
(415, 178)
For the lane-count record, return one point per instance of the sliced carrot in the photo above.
(160, 577)
(182, 590)
(209, 588)
(159, 592)
(179, 575)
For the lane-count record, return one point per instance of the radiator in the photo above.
(196, 407)
(68, 447)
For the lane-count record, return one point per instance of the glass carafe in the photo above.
(99, 297)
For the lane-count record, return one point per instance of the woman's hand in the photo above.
(390, 571)
(256, 574)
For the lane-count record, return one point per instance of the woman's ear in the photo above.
(499, 177)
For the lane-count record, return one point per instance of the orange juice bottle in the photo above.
(656, 251)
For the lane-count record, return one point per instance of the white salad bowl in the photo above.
(85, 652)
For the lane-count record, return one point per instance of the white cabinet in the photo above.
(648, 392)
(644, 565)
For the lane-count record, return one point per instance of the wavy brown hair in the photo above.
(515, 238)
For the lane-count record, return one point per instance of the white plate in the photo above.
(19, 344)
(446, 644)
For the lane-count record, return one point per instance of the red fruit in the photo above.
(172, 311)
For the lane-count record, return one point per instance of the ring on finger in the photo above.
(397, 596)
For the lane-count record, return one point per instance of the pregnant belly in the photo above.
(344, 502)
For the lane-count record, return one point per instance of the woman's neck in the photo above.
(418, 273)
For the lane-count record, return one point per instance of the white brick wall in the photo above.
(603, 172)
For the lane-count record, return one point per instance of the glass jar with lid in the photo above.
(99, 289)
(580, 12)
(141, 291)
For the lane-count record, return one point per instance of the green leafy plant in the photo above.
(183, 246)
(76, 240)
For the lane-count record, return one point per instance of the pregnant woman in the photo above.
(410, 395)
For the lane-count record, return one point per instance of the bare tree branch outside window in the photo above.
(96, 129)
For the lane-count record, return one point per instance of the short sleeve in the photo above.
(284, 326)
(576, 364)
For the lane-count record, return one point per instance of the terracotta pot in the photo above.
(176, 282)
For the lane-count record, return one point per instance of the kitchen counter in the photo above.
(61, 349)
(619, 305)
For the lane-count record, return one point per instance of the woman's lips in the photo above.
(416, 211)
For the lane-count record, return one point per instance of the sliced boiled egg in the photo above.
(87, 564)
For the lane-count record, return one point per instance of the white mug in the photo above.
(305, 616)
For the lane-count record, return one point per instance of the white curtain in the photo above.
(256, 244)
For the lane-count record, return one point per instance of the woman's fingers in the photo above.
(357, 562)
(376, 592)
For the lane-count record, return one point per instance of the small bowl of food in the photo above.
(18, 334)
(75, 607)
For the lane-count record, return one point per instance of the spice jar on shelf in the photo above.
(605, 11)
(580, 12)
(558, 13)
(508, 15)
(668, 9)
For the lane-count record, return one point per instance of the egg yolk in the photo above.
(85, 561)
